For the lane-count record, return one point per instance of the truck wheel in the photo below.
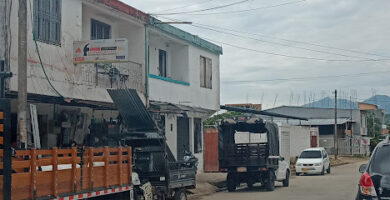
(180, 195)
(286, 182)
(231, 182)
(328, 170)
(270, 185)
(250, 184)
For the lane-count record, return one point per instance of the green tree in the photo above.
(213, 120)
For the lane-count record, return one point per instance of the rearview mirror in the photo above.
(362, 168)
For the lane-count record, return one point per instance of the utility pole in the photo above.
(336, 144)
(22, 74)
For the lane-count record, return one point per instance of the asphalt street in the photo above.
(341, 184)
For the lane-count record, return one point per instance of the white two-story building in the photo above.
(175, 73)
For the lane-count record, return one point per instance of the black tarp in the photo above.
(228, 128)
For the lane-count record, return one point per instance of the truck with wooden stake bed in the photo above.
(131, 160)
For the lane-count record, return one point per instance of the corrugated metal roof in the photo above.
(315, 122)
(132, 109)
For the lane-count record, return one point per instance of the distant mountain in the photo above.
(329, 103)
(382, 101)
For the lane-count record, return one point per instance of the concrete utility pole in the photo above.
(336, 144)
(22, 74)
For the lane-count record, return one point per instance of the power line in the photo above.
(281, 44)
(306, 78)
(206, 9)
(186, 6)
(290, 56)
(245, 10)
(288, 40)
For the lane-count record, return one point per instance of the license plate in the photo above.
(241, 169)
(305, 169)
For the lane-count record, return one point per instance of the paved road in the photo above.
(341, 184)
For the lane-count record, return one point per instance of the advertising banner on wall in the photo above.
(100, 51)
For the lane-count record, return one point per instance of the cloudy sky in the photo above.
(291, 50)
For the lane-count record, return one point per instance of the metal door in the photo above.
(183, 136)
(211, 162)
(313, 141)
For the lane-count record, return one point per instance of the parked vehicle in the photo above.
(375, 180)
(249, 152)
(313, 161)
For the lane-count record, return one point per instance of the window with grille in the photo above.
(47, 21)
(100, 30)
(206, 77)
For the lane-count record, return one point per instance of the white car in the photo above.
(313, 161)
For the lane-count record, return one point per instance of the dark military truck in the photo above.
(249, 153)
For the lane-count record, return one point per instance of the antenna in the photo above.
(276, 98)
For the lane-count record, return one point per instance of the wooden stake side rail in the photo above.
(59, 172)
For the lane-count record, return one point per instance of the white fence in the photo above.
(348, 146)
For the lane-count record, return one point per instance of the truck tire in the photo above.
(286, 181)
(328, 170)
(180, 195)
(270, 184)
(323, 170)
(231, 182)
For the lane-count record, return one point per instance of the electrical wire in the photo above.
(295, 41)
(202, 10)
(40, 59)
(288, 40)
(245, 10)
(290, 56)
(307, 77)
(281, 44)
(186, 6)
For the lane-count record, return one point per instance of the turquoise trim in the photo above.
(169, 80)
(193, 39)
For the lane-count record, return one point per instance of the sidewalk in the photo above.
(206, 183)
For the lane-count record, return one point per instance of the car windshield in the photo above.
(311, 154)
(381, 162)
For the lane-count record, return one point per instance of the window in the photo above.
(206, 72)
(381, 162)
(47, 21)
(311, 154)
(100, 30)
(197, 135)
(162, 63)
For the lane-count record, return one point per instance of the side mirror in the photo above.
(281, 158)
(362, 168)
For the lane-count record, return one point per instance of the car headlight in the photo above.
(318, 164)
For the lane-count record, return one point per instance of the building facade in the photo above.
(173, 71)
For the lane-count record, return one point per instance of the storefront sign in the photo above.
(100, 51)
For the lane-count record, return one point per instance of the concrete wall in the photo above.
(171, 135)
(293, 140)
(190, 95)
(75, 81)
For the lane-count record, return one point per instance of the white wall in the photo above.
(171, 136)
(73, 81)
(299, 139)
(192, 95)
